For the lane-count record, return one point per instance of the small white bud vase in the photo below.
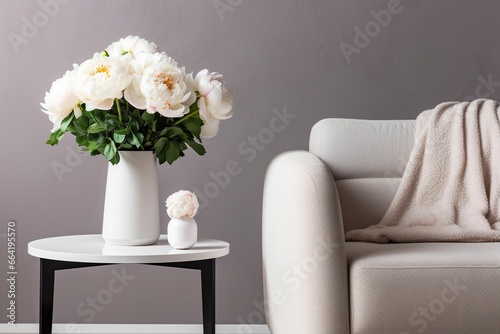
(182, 233)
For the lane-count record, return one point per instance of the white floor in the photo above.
(133, 329)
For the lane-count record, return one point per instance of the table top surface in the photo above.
(91, 248)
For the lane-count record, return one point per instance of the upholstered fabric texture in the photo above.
(304, 261)
(450, 190)
(354, 149)
(439, 288)
(367, 160)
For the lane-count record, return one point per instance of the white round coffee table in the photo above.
(79, 251)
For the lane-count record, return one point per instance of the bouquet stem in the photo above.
(197, 111)
(119, 109)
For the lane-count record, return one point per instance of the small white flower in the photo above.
(137, 66)
(166, 91)
(98, 81)
(60, 101)
(182, 204)
(131, 47)
(215, 103)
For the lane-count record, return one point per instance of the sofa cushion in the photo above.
(374, 195)
(424, 287)
(354, 148)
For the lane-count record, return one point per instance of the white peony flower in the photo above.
(182, 204)
(209, 128)
(166, 91)
(215, 102)
(137, 66)
(60, 101)
(100, 80)
(131, 47)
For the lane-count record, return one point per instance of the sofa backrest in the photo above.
(367, 159)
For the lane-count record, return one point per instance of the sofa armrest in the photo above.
(304, 261)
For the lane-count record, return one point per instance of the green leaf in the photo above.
(140, 137)
(147, 117)
(116, 159)
(96, 115)
(93, 146)
(82, 140)
(55, 137)
(124, 131)
(135, 121)
(198, 148)
(81, 123)
(95, 128)
(173, 152)
(193, 125)
(160, 144)
(95, 138)
(162, 157)
(66, 121)
(133, 140)
(101, 115)
(125, 146)
(163, 132)
(118, 138)
(174, 131)
(110, 151)
(112, 120)
(134, 125)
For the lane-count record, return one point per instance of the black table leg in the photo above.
(47, 274)
(49, 267)
(208, 295)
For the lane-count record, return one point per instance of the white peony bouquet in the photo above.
(131, 96)
(182, 204)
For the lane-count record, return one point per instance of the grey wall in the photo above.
(282, 55)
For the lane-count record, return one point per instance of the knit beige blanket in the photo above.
(450, 190)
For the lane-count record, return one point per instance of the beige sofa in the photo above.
(316, 283)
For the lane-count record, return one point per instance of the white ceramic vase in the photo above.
(182, 233)
(131, 206)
